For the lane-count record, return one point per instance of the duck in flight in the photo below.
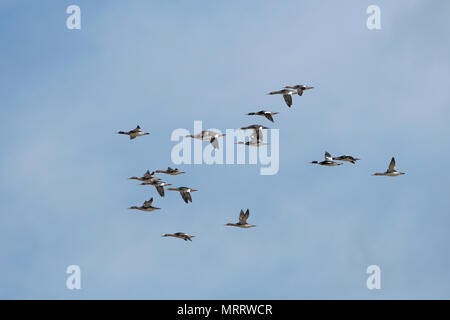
(243, 217)
(212, 136)
(287, 95)
(146, 206)
(147, 177)
(185, 193)
(179, 235)
(347, 158)
(391, 171)
(159, 185)
(172, 172)
(328, 161)
(264, 113)
(258, 131)
(300, 88)
(253, 142)
(134, 133)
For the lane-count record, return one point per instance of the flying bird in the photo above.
(300, 88)
(328, 161)
(212, 136)
(264, 113)
(147, 177)
(134, 133)
(179, 235)
(172, 172)
(287, 95)
(185, 193)
(347, 158)
(146, 206)
(253, 142)
(258, 131)
(243, 217)
(391, 171)
(159, 185)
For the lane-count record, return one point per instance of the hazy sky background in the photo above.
(64, 191)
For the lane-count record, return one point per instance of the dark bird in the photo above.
(159, 185)
(185, 193)
(146, 206)
(391, 171)
(172, 172)
(134, 133)
(264, 113)
(347, 158)
(243, 217)
(179, 235)
(300, 88)
(147, 177)
(328, 161)
(287, 95)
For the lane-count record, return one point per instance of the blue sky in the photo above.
(64, 191)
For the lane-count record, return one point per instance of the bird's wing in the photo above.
(214, 142)
(188, 196)
(147, 174)
(268, 116)
(160, 190)
(288, 99)
(242, 219)
(184, 195)
(258, 134)
(328, 157)
(392, 165)
(247, 214)
(148, 203)
(132, 137)
(299, 92)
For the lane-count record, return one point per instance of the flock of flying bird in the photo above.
(255, 140)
